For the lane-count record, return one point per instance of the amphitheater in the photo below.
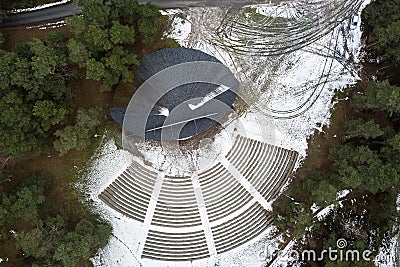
(209, 212)
(218, 210)
(215, 212)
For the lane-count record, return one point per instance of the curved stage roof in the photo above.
(183, 93)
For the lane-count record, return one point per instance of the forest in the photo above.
(352, 170)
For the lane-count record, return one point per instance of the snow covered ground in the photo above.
(295, 94)
(296, 89)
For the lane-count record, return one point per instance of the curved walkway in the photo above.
(211, 212)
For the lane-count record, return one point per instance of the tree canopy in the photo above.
(48, 238)
(78, 136)
(105, 35)
(380, 96)
(34, 94)
(2, 16)
(383, 28)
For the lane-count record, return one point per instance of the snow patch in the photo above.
(389, 256)
(50, 25)
(40, 7)
(342, 194)
(164, 111)
(325, 212)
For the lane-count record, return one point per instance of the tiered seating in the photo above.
(176, 205)
(241, 229)
(171, 235)
(175, 246)
(266, 166)
(281, 177)
(222, 193)
(130, 193)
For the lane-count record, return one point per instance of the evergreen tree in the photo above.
(362, 168)
(380, 96)
(105, 35)
(362, 129)
(34, 95)
(79, 135)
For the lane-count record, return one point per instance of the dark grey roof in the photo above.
(154, 64)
